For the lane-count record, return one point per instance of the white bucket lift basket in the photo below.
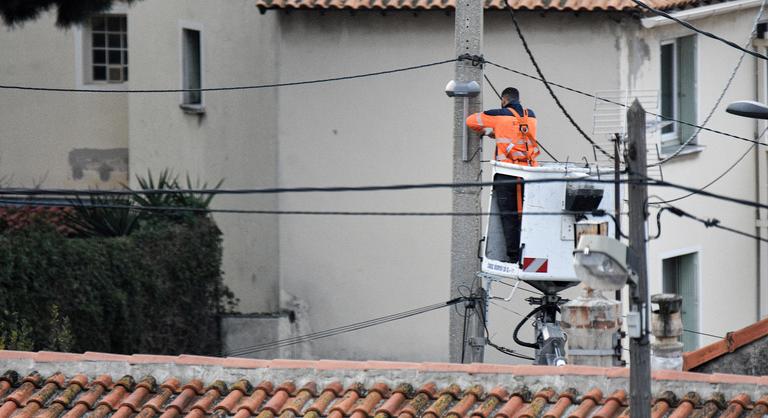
(547, 241)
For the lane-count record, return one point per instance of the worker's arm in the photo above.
(481, 122)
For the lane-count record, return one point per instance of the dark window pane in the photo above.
(98, 23)
(125, 73)
(667, 85)
(99, 73)
(99, 40)
(125, 40)
(99, 56)
(115, 74)
(114, 23)
(125, 57)
(686, 84)
(114, 57)
(114, 40)
(192, 68)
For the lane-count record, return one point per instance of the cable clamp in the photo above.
(477, 341)
(476, 60)
(711, 222)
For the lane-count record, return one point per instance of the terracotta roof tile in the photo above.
(569, 5)
(729, 344)
(461, 393)
(517, 398)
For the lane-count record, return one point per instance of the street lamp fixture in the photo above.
(748, 109)
(464, 89)
(600, 262)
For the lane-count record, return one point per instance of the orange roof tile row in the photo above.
(732, 341)
(76, 396)
(43, 357)
(563, 5)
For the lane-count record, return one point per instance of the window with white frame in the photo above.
(678, 90)
(191, 67)
(680, 275)
(106, 49)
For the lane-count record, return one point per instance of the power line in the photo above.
(231, 88)
(549, 88)
(613, 102)
(722, 93)
(334, 189)
(140, 208)
(341, 330)
(712, 223)
(480, 310)
(298, 189)
(715, 180)
(703, 32)
(703, 333)
(537, 140)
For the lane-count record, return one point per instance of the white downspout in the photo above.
(761, 187)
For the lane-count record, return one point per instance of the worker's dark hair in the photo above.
(511, 93)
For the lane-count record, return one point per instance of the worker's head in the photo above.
(510, 94)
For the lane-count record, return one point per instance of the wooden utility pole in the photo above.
(465, 232)
(639, 349)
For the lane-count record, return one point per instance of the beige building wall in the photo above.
(235, 139)
(397, 129)
(57, 139)
(728, 277)
(383, 130)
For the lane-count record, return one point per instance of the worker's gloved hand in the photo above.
(489, 133)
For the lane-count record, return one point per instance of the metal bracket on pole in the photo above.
(464, 135)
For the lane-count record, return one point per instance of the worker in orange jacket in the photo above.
(514, 128)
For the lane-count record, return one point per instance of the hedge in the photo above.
(157, 291)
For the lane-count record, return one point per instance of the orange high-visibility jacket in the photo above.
(515, 133)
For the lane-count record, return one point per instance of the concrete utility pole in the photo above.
(639, 348)
(465, 232)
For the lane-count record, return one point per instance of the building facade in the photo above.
(390, 129)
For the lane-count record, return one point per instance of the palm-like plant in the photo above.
(166, 180)
(103, 216)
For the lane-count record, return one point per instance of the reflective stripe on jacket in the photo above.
(515, 134)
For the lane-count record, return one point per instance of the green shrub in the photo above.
(158, 290)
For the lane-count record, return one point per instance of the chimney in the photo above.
(667, 327)
(592, 324)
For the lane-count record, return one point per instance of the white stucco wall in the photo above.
(728, 263)
(39, 130)
(234, 140)
(397, 129)
(383, 130)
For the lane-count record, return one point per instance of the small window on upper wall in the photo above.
(106, 43)
(678, 90)
(191, 67)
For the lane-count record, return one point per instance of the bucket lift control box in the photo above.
(548, 226)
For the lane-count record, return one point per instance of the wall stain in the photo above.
(102, 161)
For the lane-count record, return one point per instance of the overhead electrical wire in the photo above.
(712, 223)
(715, 180)
(613, 102)
(476, 303)
(703, 32)
(231, 88)
(139, 208)
(340, 330)
(350, 77)
(333, 189)
(719, 100)
(549, 88)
